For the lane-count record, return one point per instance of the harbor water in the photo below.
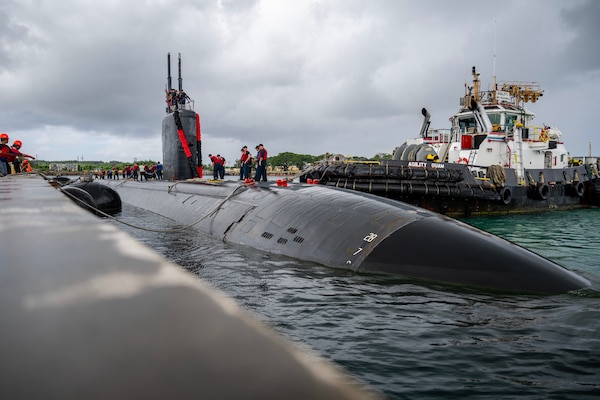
(411, 340)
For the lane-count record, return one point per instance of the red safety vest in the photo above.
(244, 156)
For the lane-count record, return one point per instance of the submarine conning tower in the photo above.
(181, 134)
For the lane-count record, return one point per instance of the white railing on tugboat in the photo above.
(438, 136)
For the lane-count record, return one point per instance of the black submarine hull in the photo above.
(353, 231)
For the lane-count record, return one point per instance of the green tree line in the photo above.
(285, 160)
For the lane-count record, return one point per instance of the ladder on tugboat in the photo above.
(445, 151)
(472, 155)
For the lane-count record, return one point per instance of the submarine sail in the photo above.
(181, 141)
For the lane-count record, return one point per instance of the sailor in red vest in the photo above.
(261, 164)
(216, 162)
(245, 159)
(221, 166)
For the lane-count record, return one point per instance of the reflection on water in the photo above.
(414, 341)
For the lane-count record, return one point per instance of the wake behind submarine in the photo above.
(337, 228)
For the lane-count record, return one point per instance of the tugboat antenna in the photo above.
(494, 66)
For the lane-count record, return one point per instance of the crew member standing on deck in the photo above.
(216, 162)
(245, 163)
(159, 168)
(221, 166)
(261, 164)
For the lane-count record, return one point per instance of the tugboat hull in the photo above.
(453, 190)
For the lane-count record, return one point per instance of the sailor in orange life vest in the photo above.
(26, 166)
(261, 164)
(16, 150)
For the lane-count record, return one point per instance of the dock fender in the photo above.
(578, 189)
(505, 195)
(543, 191)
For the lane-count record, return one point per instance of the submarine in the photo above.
(334, 227)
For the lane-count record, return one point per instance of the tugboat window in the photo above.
(510, 121)
(495, 119)
(466, 124)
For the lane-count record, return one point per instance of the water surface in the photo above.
(415, 341)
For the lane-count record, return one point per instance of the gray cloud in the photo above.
(582, 22)
(346, 77)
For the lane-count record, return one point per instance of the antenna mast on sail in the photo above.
(169, 72)
(180, 80)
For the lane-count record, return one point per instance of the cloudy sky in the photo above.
(86, 78)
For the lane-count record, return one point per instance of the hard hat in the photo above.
(430, 156)
(18, 143)
(3, 136)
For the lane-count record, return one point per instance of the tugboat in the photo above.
(493, 160)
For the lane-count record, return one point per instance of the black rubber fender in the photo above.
(81, 198)
(543, 191)
(107, 199)
(505, 195)
(578, 189)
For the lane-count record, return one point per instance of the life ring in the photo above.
(579, 189)
(463, 160)
(505, 195)
(544, 135)
(543, 190)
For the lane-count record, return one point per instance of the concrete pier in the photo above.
(88, 312)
